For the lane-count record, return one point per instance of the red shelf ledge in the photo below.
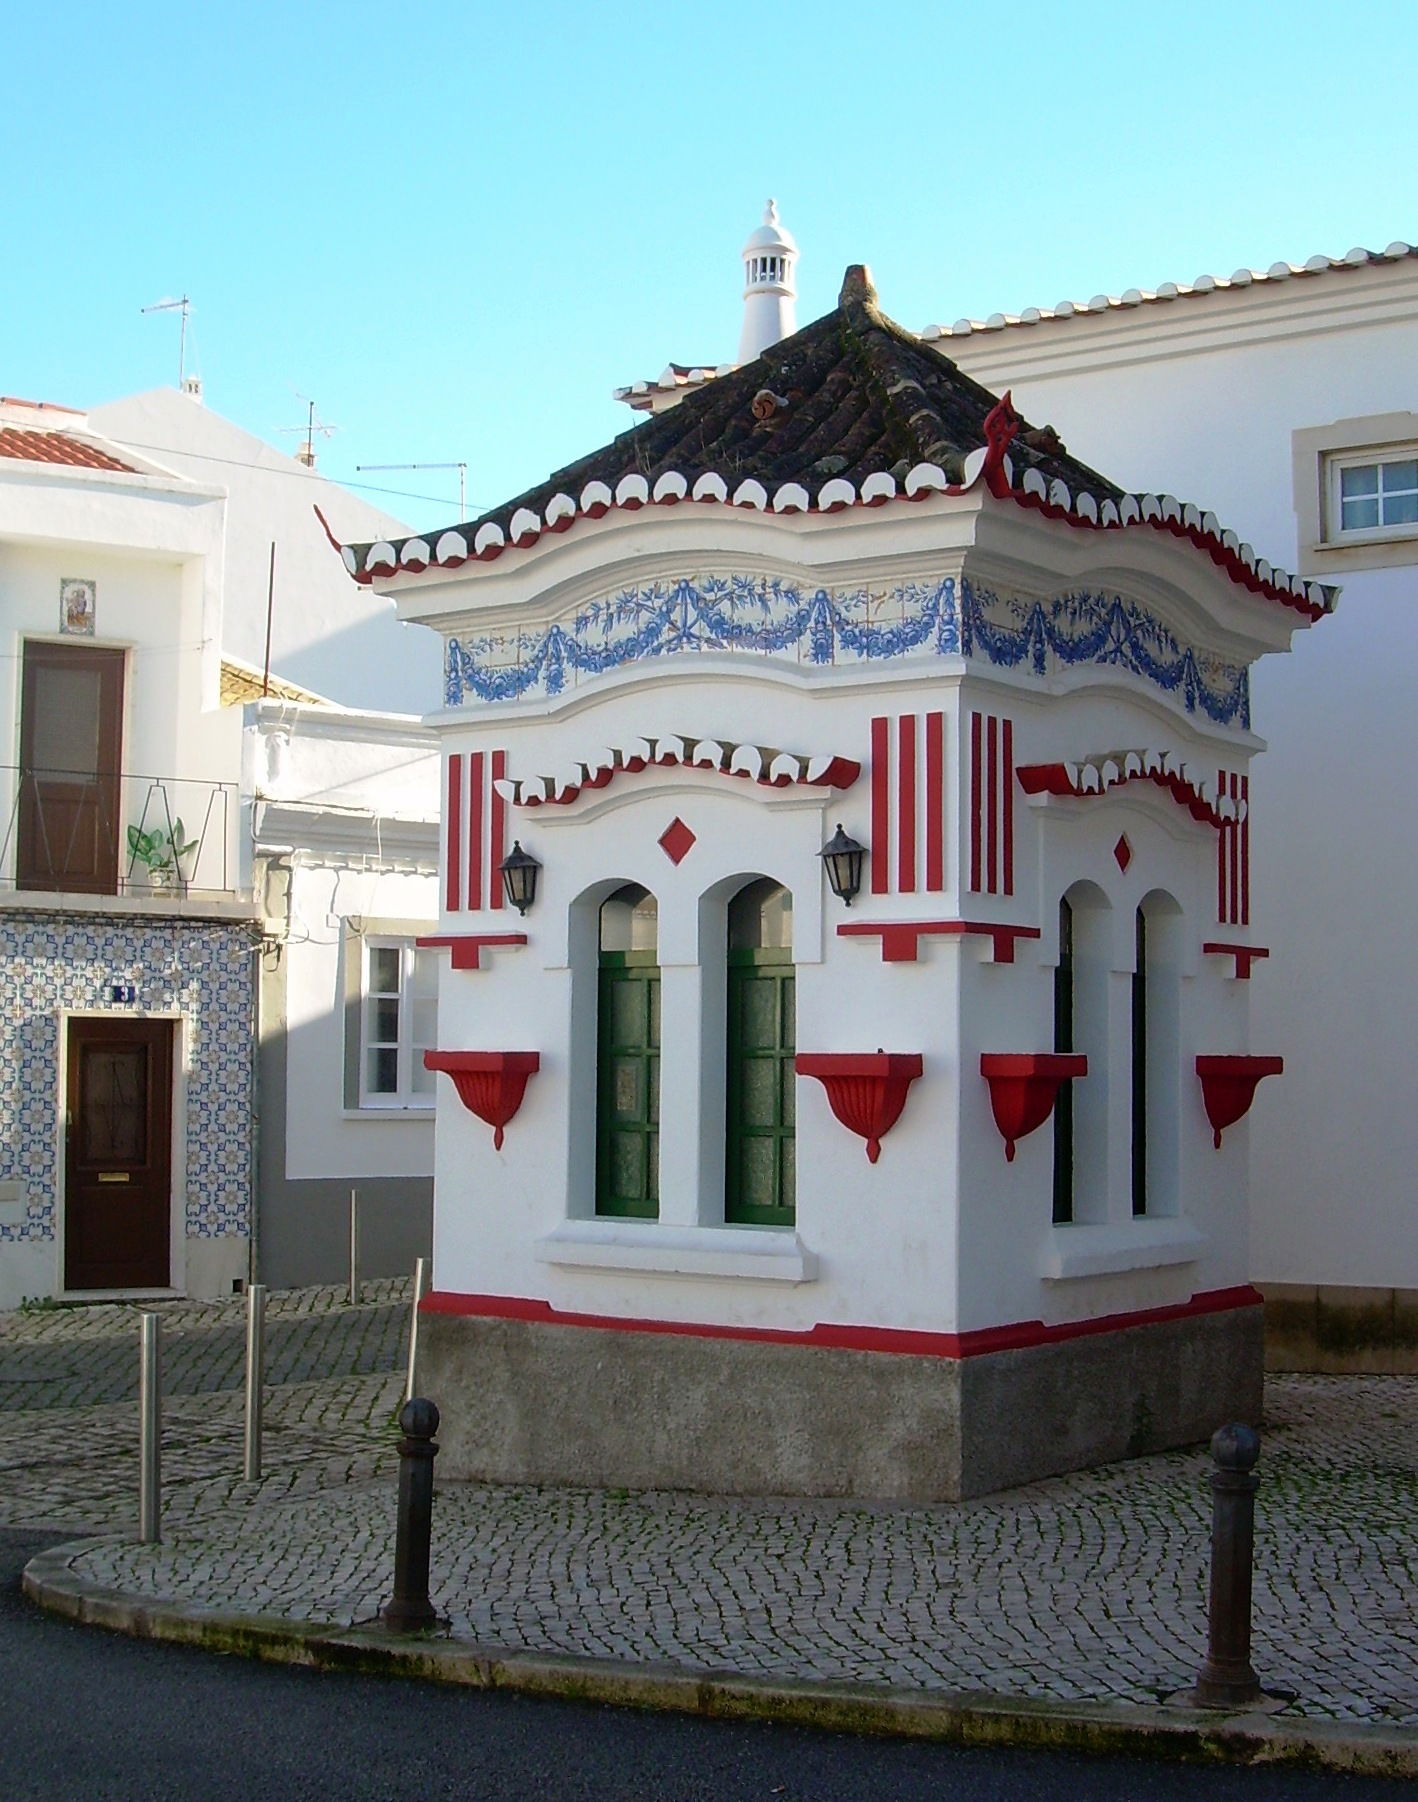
(1245, 956)
(865, 1090)
(1023, 1088)
(490, 1084)
(900, 939)
(1228, 1087)
(468, 947)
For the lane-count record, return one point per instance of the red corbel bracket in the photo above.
(468, 947)
(900, 939)
(1228, 1087)
(1245, 956)
(865, 1090)
(1023, 1088)
(490, 1084)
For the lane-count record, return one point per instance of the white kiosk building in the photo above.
(746, 1181)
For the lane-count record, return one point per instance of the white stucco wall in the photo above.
(1201, 397)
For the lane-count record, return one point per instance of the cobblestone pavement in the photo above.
(69, 1383)
(1087, 1587)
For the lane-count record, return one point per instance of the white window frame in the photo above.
(1336, 532)
(404, 1098)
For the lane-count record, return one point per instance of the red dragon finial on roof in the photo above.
(1001, 425)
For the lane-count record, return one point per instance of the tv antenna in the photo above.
(461, 468)
(184, 306)
(306, 452)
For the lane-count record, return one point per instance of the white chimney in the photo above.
(769, 295)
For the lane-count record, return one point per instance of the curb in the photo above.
(962, 1718)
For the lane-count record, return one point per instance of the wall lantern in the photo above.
(843, 857)
(519, 871)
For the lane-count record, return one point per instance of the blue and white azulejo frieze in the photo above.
(769, 617)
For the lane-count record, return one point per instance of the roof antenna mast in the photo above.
(306, 452)
(183, 305)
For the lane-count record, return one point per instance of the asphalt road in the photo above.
(87, 1716)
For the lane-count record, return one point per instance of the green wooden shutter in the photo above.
(628, 1085)
(760, 1172)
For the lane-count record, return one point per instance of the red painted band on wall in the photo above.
(975, 802)
(935, 802)
(880, 808)
(1020, 1336)
(1007, 802)
(906, 787)
(475, 829)
(453, 868)
(497, 849)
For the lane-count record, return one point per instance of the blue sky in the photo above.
(457, 227)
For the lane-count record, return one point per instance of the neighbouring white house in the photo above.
(128, 945)
(132, 926)
(1287, 399)
(343, 811)
(844, 1037)
(325, 635)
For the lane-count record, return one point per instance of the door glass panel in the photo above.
(628, 1166)
(759, 1082)
(65, 727)
(627, 1088)
(114, 1091)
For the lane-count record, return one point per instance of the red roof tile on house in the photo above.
(55, 447)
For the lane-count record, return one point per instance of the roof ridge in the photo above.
(1321, 264)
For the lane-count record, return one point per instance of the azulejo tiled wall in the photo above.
(773, 617)
(205, 970)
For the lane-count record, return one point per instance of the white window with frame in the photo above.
(1373, 495)
(398, 1022)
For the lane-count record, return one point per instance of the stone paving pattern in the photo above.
(1086, 1587)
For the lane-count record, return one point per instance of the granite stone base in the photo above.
(534, 1402)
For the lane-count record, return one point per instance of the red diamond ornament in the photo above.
(677, 841)
(1122, 851)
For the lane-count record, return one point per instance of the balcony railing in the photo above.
(77, 832)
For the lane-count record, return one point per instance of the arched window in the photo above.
(1156, 1026)
(628, 1056)
(1063, 1041)
(1081, 1024)
(759, 1091)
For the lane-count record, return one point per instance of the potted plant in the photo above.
(163, 855)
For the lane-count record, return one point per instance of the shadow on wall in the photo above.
(304, 1224)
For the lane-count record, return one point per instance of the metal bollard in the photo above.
(255, 1379)
(354, 1248)
(150, 1430)
(420, 1290)
(1226, 1679)
(411, 1608)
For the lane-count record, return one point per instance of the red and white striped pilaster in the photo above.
(991, 757)
(475, 831)
(1233, 853)
(908, 804)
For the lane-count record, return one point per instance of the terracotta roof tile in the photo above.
(855, 393)
(57, 447)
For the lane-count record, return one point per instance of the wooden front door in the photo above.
(118, 1155)
(71, 740)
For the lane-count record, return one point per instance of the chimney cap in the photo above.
(771, 235)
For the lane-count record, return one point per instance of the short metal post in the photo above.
(354, 1248)
(150, 1430)
(420, 1290)
(1226, 1679)
(411, 1608)
(255, 1378)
